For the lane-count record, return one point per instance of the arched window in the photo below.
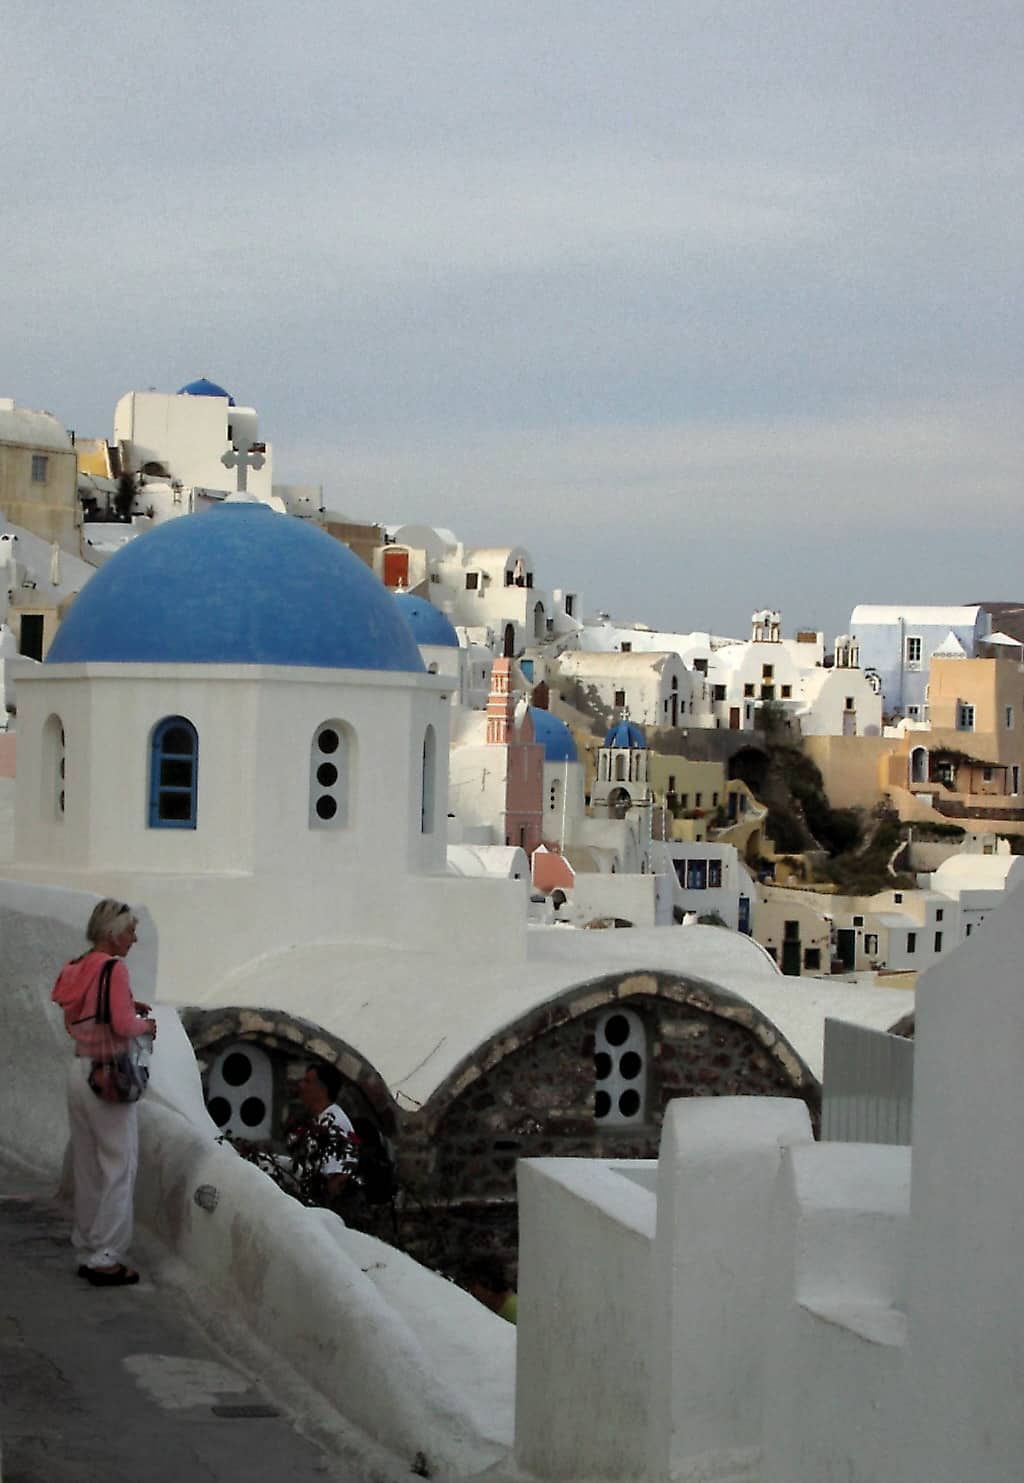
(331, 772)
(54, 766)
(919, 765)
(173, 774)
(427, 784)
(240, 1094)
(620, 1068)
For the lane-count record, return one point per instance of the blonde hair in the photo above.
(109, 919)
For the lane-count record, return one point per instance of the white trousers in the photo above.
(104, 1158)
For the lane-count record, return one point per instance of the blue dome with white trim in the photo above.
(625, 734)
(554, 736)
(429, 625)
(203, 387)
(238, 584)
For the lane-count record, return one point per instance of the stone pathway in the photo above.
(121, 1384)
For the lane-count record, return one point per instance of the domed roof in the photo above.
(554, 736)
(625, 734)
(429, 625)
(203, 387)
(238, 584)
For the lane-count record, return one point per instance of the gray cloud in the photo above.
(726, 284)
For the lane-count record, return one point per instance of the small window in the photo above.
(767, 671)
(718, 692)
(897, 897)
(684, 800)
(330, 774)
(940, 913)
(626, 647)
(427, 785)
(964, 717)
(849, 705)
(858, 921)
(701, 666)
(1008, 717)
(714, 800)
(938, 942)
(173, 774)
(911, 942)
(812, 959)
(767, 692)
(748, 690)
(967, 930)
(913, 650)
(696, 875)
(714, 875)
(40, 468)
(620, 1068)
(472, 581)
(698, 800)
(620, 698)
(786, 692)
(986, 774)
(671, 782)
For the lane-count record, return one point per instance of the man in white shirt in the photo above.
(339, 1160)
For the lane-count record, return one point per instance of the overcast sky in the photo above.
(712, 306)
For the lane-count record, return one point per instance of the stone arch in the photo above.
(597, 994)
(529, 1092)
(292, 1038)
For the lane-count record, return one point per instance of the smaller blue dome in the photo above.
(625, 734)
(202, 387)
(429, 625)
(554, 736)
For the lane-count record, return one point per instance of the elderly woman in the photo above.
(104, 1134)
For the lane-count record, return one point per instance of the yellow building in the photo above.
(38, 475)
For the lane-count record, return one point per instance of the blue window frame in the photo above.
(173, 774)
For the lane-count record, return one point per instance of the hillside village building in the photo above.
(897, 644)
(37, 475)
(480, 588)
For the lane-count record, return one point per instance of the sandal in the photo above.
(119, 1276)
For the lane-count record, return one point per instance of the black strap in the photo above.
(103, 993)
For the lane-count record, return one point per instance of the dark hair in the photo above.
(329, 1077)
(487, 1272)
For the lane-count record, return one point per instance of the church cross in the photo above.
(243, 459)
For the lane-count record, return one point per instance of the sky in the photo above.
(712, 306)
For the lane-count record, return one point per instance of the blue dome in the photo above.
(238, 584)
(625, 734)
(429, 625)
(554, 736)
(202, 387)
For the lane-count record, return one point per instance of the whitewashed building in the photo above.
(897, 643)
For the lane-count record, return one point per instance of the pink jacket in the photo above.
(77, 992)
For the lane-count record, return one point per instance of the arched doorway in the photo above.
(919, 765)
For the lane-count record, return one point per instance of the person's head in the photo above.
(487, 1280)
(112, 926)
(320, 1086)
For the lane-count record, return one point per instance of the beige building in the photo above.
(38, 475)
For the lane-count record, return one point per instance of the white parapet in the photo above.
(586, 1232)
(717, 1171)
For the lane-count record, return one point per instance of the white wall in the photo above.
(189, 436)
(582, 1371)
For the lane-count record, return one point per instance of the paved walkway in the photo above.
(121, 1384)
